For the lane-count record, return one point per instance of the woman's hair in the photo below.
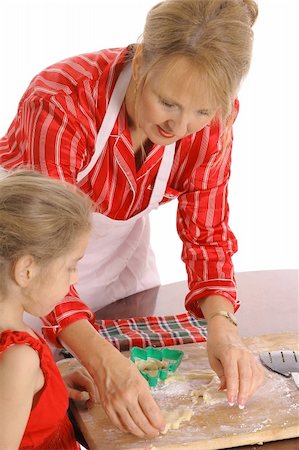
(39, 216)
(215, 34)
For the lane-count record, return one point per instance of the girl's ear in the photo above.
(137, 62)
(24, 270)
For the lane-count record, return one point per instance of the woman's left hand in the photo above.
(80, 386)
(240, 373)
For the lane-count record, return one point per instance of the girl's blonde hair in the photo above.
(215, 34)
(39, 216)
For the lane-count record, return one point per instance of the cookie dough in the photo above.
(174, 418)
(151, 366)
(210, 393)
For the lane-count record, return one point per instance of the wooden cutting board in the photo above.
(271, 415)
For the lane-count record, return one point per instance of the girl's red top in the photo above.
(48, 426)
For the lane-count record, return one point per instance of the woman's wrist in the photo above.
(85, 343)
(226, 315)
(218, 313)
(214, 304)
(219, 325)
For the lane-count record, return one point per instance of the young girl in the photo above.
(44, 229)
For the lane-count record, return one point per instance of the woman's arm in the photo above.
(208, 246)
(125, 395)
(20, 379)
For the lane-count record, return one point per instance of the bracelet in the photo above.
(227, 314)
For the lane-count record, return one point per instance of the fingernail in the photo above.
(231, 403)
(241, 406)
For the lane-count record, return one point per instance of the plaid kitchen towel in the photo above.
(155, 331)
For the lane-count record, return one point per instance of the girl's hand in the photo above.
(80, 386)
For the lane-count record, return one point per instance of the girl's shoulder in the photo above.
(18, 350)
(19, 343)
(19, 367)
(20, 356)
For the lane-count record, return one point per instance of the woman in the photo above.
(134, 128)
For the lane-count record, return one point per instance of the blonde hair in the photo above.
(39, 216)
(215, 34)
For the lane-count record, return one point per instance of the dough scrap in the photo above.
(151, 366)
(210, 393)
(174, 418)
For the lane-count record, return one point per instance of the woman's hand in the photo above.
(238, 369)
(124, 393)
(125, 396)
(80, 386)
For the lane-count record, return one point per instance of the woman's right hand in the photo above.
(124, 393)
(126, 397)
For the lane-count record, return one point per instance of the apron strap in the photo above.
(109, 120)
(162, 176)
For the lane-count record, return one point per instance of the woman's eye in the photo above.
(166, 103)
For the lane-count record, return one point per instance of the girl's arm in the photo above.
(20, 379)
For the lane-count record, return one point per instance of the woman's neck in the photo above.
(137, 135)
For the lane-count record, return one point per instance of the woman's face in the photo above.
(174, 102)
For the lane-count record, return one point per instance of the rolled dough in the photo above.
(194, 375)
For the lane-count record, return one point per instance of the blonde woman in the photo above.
(134, 128)
(44, 228)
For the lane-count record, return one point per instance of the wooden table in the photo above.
(269, 304)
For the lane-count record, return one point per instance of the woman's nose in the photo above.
(179, 126)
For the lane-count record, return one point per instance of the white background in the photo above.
(263, 190)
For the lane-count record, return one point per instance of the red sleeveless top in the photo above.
(48, 426)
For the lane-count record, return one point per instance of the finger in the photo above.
(143, 422)
(128, 424)
(83, 381)
(152, 412)
(258, 376)
(245, 383)
(77, 395)
(231, 374)
(115, 420)
(218, 369)
(119, 416)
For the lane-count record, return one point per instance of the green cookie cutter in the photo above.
(170, 359)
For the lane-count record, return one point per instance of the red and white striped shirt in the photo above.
(54, 132)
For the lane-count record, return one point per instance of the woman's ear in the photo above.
(24, 270)
(137, 62)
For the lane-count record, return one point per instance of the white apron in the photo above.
(119, 260)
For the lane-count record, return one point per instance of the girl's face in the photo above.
(174, 102)
(52, 282)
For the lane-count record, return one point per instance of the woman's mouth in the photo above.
(164, 133)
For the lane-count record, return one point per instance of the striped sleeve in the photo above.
(55, 131)
(202, 222)
(55, 128)
(69, 310)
